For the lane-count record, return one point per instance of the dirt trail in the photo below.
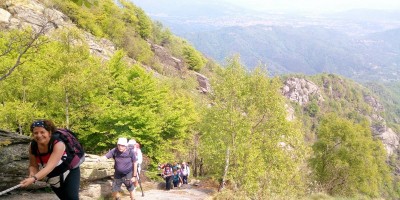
(175, 194)
(101, 189)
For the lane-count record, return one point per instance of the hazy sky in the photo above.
(317, 5)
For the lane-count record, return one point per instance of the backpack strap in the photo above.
(35, 149)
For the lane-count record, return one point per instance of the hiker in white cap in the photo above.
(136, 149)
(125, 168)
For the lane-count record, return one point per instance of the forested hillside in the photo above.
(105, 70)
(305, 49)
(360, 43)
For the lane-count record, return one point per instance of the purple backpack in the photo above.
(75, 152)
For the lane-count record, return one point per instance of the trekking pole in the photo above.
(140, 182)
(10, 189)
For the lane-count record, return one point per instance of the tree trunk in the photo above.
(201, 167)
(195, 166)
(66, 109)
(222, 185)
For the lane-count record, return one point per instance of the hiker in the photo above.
(132, 144)
(185, 170)
(48, 160)
(125, 167)
(167, 175)
(176, 166)
(176, 179)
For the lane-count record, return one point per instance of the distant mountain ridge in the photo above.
(308, 50)
(359, 44)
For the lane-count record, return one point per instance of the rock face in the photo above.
(4, 16)
(301, 91)
(204, 83)
(165, 57)
(13, 158)
(14, 162)
(22, 14)
(34, 14)
(379, 129)
(389, 139)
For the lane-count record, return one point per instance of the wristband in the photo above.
(34, 177)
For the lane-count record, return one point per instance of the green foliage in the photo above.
(86, 3)
(193, 58)
(50, 85)
(161, 35)
(145, 24)
(245, 113)
(127, 26)
(137, 106)
(247, 117)
(63, 82)
(388, 95)
(313, 108)
(138, 49)
(347, 161)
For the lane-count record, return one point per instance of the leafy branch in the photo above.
(33, 42)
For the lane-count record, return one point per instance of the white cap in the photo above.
(122, 141)
(131, 142)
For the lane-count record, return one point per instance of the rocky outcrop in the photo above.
(301, 91)
(4, 16)
(204, 83)
(379, 129)
(377, 107)
(14, 162)
(22, 14)
(176, 67)
(171, 64)
(388, 137)
(13, 158)
(35, 15)
(101, 48)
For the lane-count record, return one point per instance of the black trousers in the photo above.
(69, 189)
(168, 182)
(185, 179)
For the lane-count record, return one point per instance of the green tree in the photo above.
(17, 45)
(137, 106)
(56, 83)
(145, 24)
(193, 58)
(86, 3)
(245, 137)
(347, 161)
(313, 108)
(161, 35)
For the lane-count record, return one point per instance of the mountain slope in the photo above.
(355, 43)
(309, 50)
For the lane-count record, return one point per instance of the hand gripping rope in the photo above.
(10, 189)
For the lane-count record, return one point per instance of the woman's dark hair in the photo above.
(45, 123)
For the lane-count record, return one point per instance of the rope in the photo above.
(10, 189)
